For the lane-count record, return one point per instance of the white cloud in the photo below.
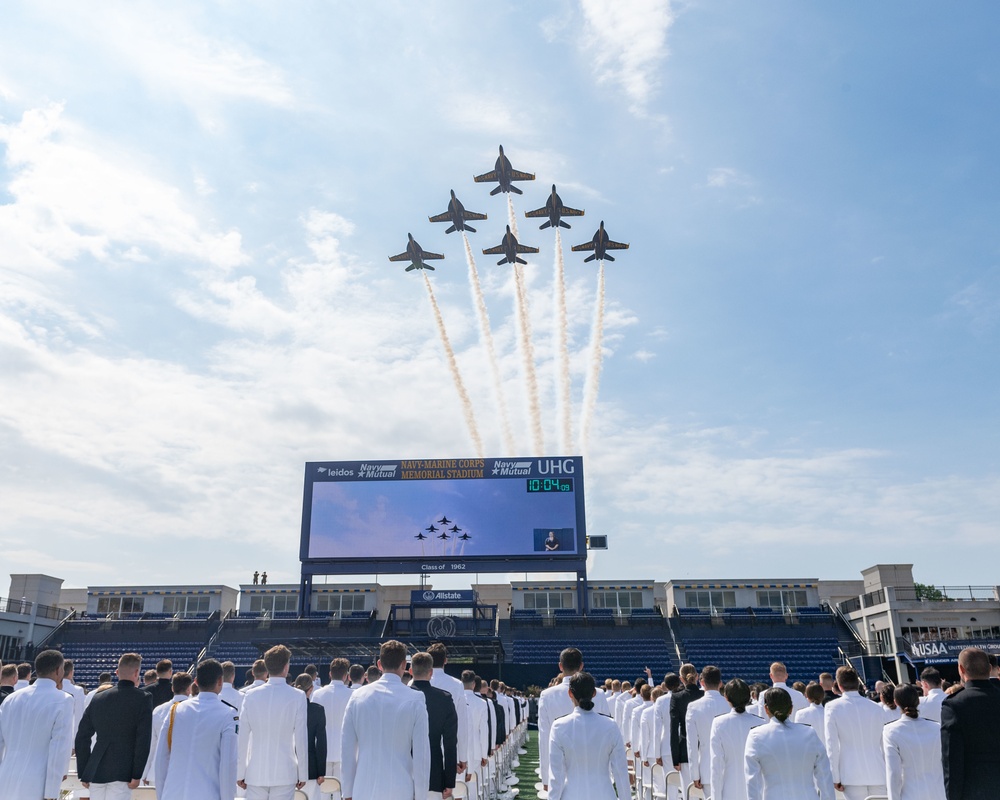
(645, 356)
(721, 177)
(627, 43)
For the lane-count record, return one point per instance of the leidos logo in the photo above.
(512, 468)
(377, 471)
(554, 466)
(336, 473)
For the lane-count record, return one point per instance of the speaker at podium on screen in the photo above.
(553, 540)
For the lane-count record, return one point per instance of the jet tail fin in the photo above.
(515, 190)
(520, 261)
(563, 224)
(502, 261)
(544, 225)
(470, 228)
(451, 229)
(495, 191)
(607, 257)
(590, 258)
(411, 267)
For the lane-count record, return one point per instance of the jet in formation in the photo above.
(457, 216)
(510, 248)
(444, 536)
(555, 211)
(443, 521)
(431, 529)
(420, 536)
(600, 244)
(504, 174)
(454, 528)
(465, 537)
(415, 253)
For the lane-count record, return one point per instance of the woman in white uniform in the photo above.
(728, 743)
(912, 749)
(586, 750)
(785, 760)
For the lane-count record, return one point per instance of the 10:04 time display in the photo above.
(550, 484)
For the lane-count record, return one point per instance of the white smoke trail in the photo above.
(562, 347)
(470, 418)
(487, 335)
(511, 218)
(528, 356)
(596, 356)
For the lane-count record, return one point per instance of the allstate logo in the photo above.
(441, 627)
(428, 596)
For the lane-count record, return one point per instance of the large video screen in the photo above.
(443, 514)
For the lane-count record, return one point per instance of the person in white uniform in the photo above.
(385, 748)
(333, 697)
(930, 703)
(727, 743)
(554, 702)
(180, 684)
(230, 694)
(854, 740)
(814, 715)
(36, 734)
(479, 728)
(197, 751)
(259, 672)
(586, 750)
(779, 680)
(785, 760)
(912, 749)
(77, 693)
(698, 722)
(273, 755)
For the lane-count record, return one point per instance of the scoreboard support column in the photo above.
(305, 595)
(582, 595)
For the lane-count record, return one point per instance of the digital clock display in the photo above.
(550, 484)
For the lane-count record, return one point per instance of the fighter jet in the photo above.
(457, 216)
(600, 244)
(443, 521)
(553, 209)
(420, 536)
(510, 248)
(431, 529)
(504, 174)
(444, 536)
(454, 529)
(415, 253)
(465, 537)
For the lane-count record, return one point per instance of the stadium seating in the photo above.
(751, 658)
(603, 658)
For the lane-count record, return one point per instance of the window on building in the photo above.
(548, 601)
(622, 601)
(120, 605)
(781, 598)
(186, 606)
(340, 604)
(707, 600)
(274, 603)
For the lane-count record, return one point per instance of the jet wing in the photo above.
(517, 175)
(487, 177)
(579, 248)
(569, 212)
(609, 245)
(494, 251)
(467, 215)
(445, 217)
(538, 212)
(401, 257)
(523, 248)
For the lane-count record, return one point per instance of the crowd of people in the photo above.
(398, 729)
(404, 728)
(734, 741)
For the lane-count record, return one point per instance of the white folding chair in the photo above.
(673, 782)
(877, 797)
(461, 789)
(330, 786)
(144, 793)
(72, 765)
(300, 795)
(71, 784)
(694, 793)
(658, 781)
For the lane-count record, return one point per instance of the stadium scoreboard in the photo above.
(438, 516)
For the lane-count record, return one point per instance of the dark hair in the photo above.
(583, 688)
(672, 681)
(888, 695)
(277, 658)
(570, 660)
(48, 662)
(303, 682)
(931, 676)
(848, 679)
(779, 703)
(392, 654)
(737, 692)
(439, 653)
(311, 670)
(357, 673)
(422, 665)
(468, 678)
(815, 694)
(339, 668)
(209, 671)
(164, 666)
(711, 676)
(907, 700)
(181, 682)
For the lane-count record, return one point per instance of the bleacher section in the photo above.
(750, 658)
(602, 658)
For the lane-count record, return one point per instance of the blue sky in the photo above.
(800, 354)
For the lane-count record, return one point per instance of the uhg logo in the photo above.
(553, 466)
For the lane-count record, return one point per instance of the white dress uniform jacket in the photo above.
(385, 749)
(854, 740)
(630, 707)
(661, 727)
(454, 687)
(232, 696)
(79, 698)
(786, 762)
(618, 712)
(479, 730)
(333, 697)
(36, 738)
(586, 752)
(159, 714)
(912, 749)
(200, 761)
(635, 726)
(553, 703)
(698, 724)
(799, 700)
(930, 706)
(273, 748)
(601, 703)
(646, 732)
(727, 746)
(815, 717)
(257, 682)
